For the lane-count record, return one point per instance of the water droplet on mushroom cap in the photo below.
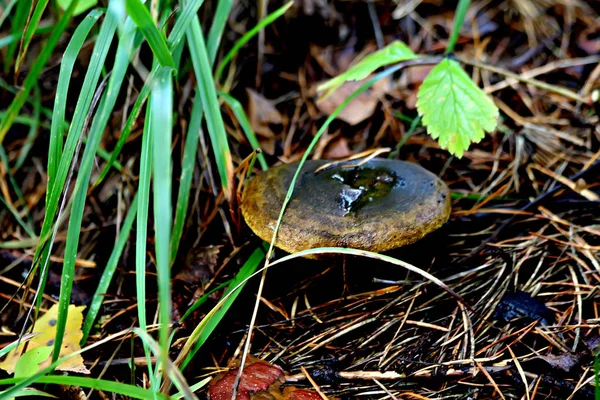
(379, 206)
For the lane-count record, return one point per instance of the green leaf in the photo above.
(81, 7)
(30, 27)
(210, 322)
(109, 270)
(390, 54)
(156, 38)
(454, 110)
(161, 125)
(29, 363)
(219, 19)
(240, 115)
(210, 103)
(123, 389)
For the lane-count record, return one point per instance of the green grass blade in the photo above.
(161, 123)
(49, 229)
(414, 124)
(5, 350)
(184, 19)
(369, 254)
(109, 270)
(459, 18)
(175, 375)
(31, 26)
(133, 115)
(210, 322)
(249, 35)
(210, 103)
(203, 299)
(175, 37)
(142, 231)
(17, 190)
(105, 155)
(81, 184)
(6, 12)
(29, 392)
(187, 172)
(98, 125)
(155, 38)
(122, 389)
(34, 73)
(17, 27)
(216, 29)
(62, 91)
(14, 38)
(195, 387)
(17, 217)
(240, 114)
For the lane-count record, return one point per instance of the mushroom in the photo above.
(377, 206)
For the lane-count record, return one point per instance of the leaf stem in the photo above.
(459, 18)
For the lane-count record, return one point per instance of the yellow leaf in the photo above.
(45, 331)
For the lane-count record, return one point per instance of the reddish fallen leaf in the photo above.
(292, 393)
(260, 381)
(257, 376)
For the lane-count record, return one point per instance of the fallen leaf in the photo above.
(337, 149)
(564, 361)
(414, 75)
(360, 108)
(293, 393)
(200, 264)
(522, 305)
(260, 380)
(257, 376)
(262, 113)
(42, 345)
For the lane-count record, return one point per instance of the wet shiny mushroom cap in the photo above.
(378, 206)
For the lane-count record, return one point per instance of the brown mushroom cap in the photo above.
(378, 206)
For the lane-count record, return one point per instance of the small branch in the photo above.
(354, 375)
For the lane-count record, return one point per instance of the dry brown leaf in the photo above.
(262, 113)
(337, 149)
(200, 264)
(359, 109)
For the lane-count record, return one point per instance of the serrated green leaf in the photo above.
(454, 110)
(81, 7)
(390, 54)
